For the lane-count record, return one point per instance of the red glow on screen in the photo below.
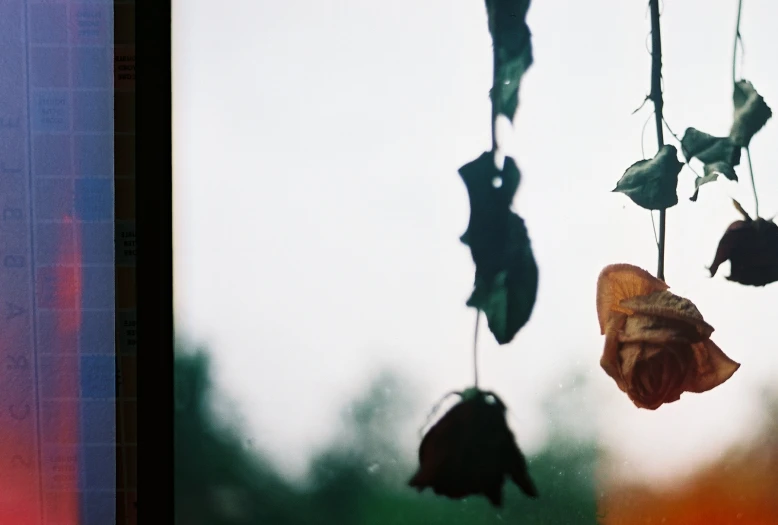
(55, 470)
(64, 506)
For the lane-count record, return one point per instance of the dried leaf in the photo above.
(721, 168)
(506, 276)
(712, 172)
(709, 149)
(507, 298)
(751, 113)
(512, 51)
(491, 193)
(652, 183)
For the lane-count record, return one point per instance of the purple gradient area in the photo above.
(57, 333)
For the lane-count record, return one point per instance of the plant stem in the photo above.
(495, 93)
(753, 184)
(734, 84)
(656, 97)
(737, 38)
(475, 346)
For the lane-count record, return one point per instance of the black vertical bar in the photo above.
(154, 260)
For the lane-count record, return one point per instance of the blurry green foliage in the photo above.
(221, 480)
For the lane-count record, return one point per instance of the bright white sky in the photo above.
(318, 207)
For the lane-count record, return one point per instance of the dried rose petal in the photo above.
(657, 344)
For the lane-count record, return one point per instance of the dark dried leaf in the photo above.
(512, 51)
(508, 296)
(506, 275)
(712, 172)
(709, 149)
(751, 113)
(652, 183)
(491, 193)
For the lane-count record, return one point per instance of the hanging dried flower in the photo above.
(751, 247)
(471, 450)
(657, 344)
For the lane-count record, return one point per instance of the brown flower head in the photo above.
(751, 247)
(471, 450)
(657, 345)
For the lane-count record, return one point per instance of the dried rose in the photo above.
(657, 345)
(471, 451)
(751, 247)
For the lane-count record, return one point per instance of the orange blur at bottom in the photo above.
(43, 488)
(741, 487)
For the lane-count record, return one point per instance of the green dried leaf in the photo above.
(506, 275)
(751, 113)
(512, 51)
(711, 173)
(709, 149)
(653, 183)
(508, 297)
(491, 193)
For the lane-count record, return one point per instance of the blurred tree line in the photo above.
(221, 480)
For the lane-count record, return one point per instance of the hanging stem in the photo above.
(656, 97)
(753, 184)
(737, 39)
(495, 93)
(475, 346)
(734, 83)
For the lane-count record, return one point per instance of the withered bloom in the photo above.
(751, 247)
(657, 345)
(471, 451)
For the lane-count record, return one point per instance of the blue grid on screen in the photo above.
(19, 460)
(70, 65)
